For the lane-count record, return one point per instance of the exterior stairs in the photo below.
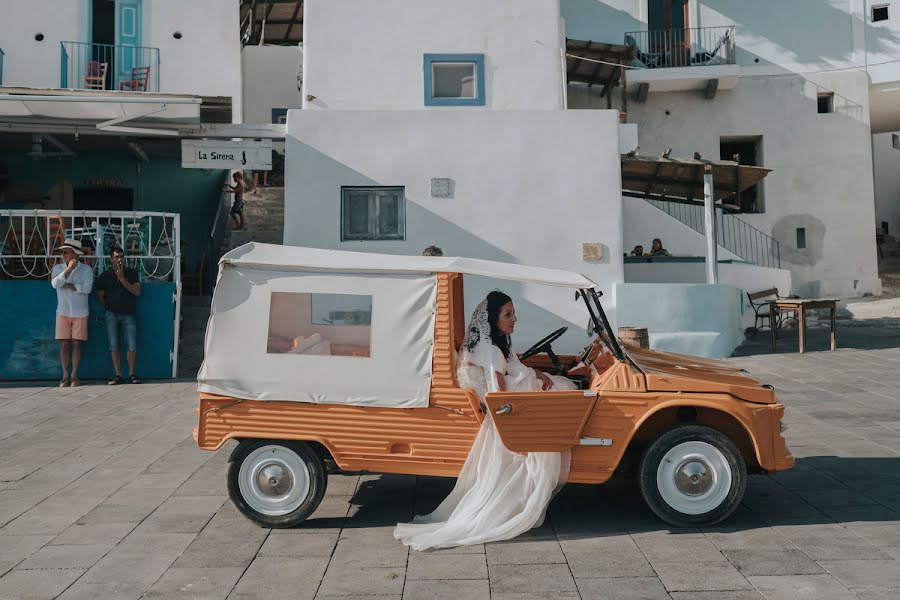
(264, 218)
(733, 234)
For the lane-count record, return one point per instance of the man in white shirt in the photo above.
(72, 281)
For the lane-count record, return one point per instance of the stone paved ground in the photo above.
(104, 496)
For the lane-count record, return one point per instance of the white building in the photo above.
(798, 89)
(382, 159)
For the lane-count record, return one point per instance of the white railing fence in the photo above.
(29, 241)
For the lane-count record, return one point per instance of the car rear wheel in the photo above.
(693, 476)
(276, 484)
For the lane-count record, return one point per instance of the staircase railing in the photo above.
(733, 234)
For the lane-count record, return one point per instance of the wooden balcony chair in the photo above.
(138, 82)
(95, 76)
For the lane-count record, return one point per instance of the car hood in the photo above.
(670, 372)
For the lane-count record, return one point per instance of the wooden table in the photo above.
(801, 305)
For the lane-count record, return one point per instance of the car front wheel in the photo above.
(693, 476)
(276, 484)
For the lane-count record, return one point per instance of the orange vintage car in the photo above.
(321, 361)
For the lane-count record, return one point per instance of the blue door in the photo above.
(128, 40)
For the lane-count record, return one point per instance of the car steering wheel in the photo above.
(544, 346)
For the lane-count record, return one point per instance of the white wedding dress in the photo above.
(499, 493)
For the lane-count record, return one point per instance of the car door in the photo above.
(540, 421)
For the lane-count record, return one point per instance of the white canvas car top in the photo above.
(337, 327)
(256, 255)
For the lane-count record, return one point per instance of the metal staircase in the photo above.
(733, 234)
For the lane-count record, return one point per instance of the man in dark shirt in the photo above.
(117, 290)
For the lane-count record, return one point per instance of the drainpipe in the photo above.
(709, 218)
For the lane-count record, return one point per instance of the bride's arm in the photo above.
(501, 381)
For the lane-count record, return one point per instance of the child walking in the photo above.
(237, 207)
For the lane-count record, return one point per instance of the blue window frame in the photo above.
(279, 115)
(454, 79)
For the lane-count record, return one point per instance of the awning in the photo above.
(681, 180)
(596, 63)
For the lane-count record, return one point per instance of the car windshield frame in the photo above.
(600, 323)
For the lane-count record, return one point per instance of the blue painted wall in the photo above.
(29, 350)
(160, 185)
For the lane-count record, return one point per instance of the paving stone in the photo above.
(94, 534)
(44, 583)
(769, 561)
(521, 553)
(361, 552)
(104, 591)
(606, 557)
(449, 566)
(765, 537)
(66, 557)
(742, 595)
(470, 589)
(314, 544)
(622, 588)
(877, 593)
(531, 578)
(280, 577)
(363, 581)
(700, 576)
(216, 552)
(865, 573)
(535, 596)
(849, 547)
(802, 587)
(195, 583)
(692, 547)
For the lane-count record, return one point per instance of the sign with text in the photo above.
(218, 154)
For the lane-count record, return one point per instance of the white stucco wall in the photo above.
(365, 55)
(697, 319)
(887, 182)
(205, 61)
(747, 278)
(530, 187)
(822, 167)
(26, 61)
(270, 80)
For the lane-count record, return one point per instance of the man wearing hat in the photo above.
(72, 281)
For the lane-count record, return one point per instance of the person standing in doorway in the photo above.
(72, 281)
(118, 289)
(237, 207)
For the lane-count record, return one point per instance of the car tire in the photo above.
(276, 484)
(693, 476)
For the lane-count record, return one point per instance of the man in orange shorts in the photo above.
(72, 281)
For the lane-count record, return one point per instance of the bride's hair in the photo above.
(495, 301)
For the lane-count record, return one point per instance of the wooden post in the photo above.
(709, 213)
(833, 335)
(625, 92)
(802, 327)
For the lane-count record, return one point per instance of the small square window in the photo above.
(454, 79)
(801, 238)
(895, 141)
(880, 13)
(826, 103)
(373, 213)
(279, 116)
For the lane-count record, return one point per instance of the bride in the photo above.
(499, 493)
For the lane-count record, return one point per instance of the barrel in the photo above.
(634, 336)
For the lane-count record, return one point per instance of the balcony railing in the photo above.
(1, 66)
(694, 47)
(737, 236)
(85, 66)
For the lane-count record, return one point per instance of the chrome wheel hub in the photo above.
(694, 478)
(274, 480)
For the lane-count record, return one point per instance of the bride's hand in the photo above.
(546, 384)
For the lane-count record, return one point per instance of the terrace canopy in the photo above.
(681, 180)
